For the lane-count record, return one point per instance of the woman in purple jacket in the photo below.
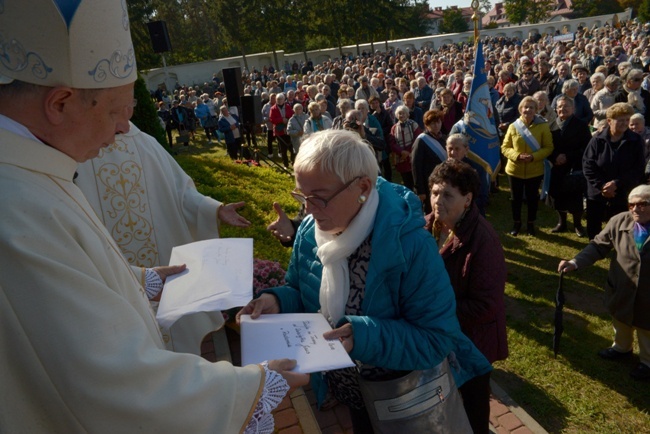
(476, 265)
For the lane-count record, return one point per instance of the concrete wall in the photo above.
(200, 72)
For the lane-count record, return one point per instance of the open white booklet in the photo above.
(219, 276)
(296, 336)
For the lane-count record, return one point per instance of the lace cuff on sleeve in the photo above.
(153, 283)
(275, 388)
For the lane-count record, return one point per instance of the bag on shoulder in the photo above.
(424, 401)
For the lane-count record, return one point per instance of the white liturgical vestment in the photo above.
(80, 350)
(146, 201)
(150, 205)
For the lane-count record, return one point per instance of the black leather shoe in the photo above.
(580, 231)
(611, 354)
(530, 229)
(641, 372)
(559, 228)
(515, 229)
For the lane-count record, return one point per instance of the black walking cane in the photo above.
(559, 326)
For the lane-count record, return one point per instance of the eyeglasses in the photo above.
(641, 205)
(637, 79)
(317, 201)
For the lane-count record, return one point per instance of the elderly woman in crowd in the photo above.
(633, 94)
(229, 127)
(582, 109)
(527, 143)
(626, 292)
(362, 258)
(344, 105)
(605, 97)
(508, 106)
(637, 124)
(295, 128)
(401, 139)
(457, 148)
(597, 81)
(393, 101)
(317, 121)
(476, 265)
(613, 164)
(545, 109)
(452, 110)
(428, 152)
(570, 138)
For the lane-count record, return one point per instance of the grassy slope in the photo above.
(575, 393)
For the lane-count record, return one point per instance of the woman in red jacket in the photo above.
(476, 265)
(279, 116)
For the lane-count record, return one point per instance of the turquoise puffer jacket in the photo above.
(409, 306)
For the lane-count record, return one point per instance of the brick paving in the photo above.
(297, 413)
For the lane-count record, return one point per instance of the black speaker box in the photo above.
(159, 36)
(251, 109)
(233, 84)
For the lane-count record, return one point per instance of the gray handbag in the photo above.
(425, 401)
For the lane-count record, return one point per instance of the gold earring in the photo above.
(362, 199)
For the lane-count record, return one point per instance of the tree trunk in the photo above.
(275, 58)
(243, 55)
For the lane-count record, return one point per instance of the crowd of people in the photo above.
(571, 117)
(411, 277)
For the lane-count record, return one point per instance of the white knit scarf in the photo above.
(333, 252)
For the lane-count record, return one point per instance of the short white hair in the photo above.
(637, 117)
(401, 109)
(361, 102)
(642, 191)
(340, 152)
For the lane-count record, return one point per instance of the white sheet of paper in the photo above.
(219, 276)
(296, 336)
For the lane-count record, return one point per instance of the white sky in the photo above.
(445, 3)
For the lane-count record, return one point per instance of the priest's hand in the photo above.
(281, 228)
(266, 303)
(284, 367)
(164, 272)
(169, 270)
(228, 215)
(344, 333)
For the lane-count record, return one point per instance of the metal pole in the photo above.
(475, 6)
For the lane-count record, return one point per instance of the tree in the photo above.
(145, 115)
(485, 7)
(644, 11)
(531, 11)
(453, 21)
(591, 8)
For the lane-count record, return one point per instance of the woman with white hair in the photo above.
(295, 128)
(633, 94)
(363, 259)
(626, 291)
(344, 106)
(317, 121)
(401, 140)
(605, 97)
(582, 108)
(597, 81)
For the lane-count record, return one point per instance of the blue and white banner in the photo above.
(480, 125)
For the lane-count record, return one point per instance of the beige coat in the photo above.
(627, 291)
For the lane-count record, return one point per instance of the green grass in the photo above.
(575, 393)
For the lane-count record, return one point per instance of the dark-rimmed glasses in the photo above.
(318, 201)
(641, 205)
